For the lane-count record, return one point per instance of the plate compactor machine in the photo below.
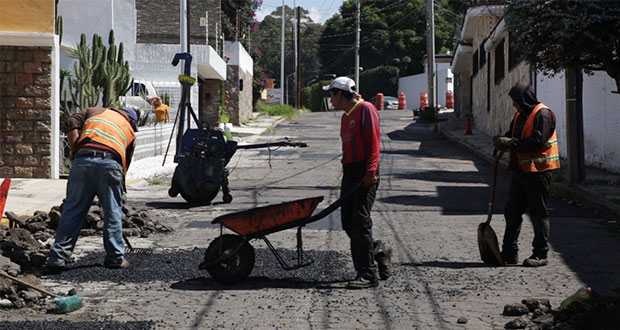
(202, 153)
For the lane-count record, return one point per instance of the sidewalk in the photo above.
(29, 195)
(600, 190)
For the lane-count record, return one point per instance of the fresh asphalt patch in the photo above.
(63, 325)
(177, 266)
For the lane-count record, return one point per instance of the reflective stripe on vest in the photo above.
(109, 128)
(544, 159)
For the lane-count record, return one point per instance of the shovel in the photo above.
(64, 304)
(487, 239)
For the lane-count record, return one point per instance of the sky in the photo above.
(320, 10)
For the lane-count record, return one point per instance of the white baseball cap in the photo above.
(343, 83)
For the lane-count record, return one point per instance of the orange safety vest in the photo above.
(111, 129)
(546, 158)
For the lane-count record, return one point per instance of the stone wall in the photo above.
(239, 108)
(158, 21)
(209, 101)
(25, 112)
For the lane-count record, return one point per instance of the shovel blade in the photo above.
(487, 243)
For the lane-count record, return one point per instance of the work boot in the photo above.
(360, 282)
(122, 264)
(384, 262)
(510, 258)
(535, 261)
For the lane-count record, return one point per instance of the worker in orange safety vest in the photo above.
(102, 141)
(534, 154)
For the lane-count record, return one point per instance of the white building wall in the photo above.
(601, 115)
(97, 16)
(412, 86)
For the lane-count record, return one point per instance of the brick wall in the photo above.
(25, 112)
(158, 21)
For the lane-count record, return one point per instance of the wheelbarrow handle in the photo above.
(331, 208)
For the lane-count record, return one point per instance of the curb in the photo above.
(586, 198)
(559, 189)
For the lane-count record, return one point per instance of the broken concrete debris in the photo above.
(597, 312)
(24, 247)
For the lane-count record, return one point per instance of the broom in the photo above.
(64, 304)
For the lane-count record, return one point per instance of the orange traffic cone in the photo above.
(468, 126)
(4, 191)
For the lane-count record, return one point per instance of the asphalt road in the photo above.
(431, 198)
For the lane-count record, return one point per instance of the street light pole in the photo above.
(282, 60)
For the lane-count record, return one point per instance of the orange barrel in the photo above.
(449, 100)
(379, 101)
(402, 101)
(423, 100)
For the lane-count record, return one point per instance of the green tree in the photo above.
(241, 12)
(557, 34)
(267, 39)
(392, 32)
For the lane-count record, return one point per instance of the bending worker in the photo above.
(102, 144)
(359, 131)
(534, 154)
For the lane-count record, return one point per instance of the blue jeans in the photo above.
(88, 177)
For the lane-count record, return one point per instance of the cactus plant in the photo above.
(100, 75)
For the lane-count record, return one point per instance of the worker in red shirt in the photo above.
(359, 130)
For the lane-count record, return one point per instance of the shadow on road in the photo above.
(447, 264)
(256, 283)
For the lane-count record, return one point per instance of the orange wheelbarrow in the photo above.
(230, 258)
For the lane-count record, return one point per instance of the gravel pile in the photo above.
(329, 267)
(584, 312)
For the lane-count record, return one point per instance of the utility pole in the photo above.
(295, 49)
(297, 59)
(184, 49)
(357, 47)
(574, 125)
(430, 52)
(282, 60)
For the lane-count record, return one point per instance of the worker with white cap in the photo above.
(360, 133)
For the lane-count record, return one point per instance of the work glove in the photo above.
(502, 142)
(369, 180)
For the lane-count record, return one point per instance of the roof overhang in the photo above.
(211, 65)
(461, 63)
(473, 16)
(496, 36)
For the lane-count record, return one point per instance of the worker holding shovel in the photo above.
(102, 141)
(534, 154)
(359, 131)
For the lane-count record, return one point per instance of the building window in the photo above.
(241, 85)
(513, 57)
(475, 64)
(499, 62)
(483, 55)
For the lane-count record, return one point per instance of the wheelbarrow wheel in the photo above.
(232, 268)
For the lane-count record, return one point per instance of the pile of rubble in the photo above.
(43, 225)
(583, 310)
(25, 245)
(13, 295)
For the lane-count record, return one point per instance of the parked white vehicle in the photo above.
(137, 97)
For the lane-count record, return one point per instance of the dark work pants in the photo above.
(356, 221)
(528, 191)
